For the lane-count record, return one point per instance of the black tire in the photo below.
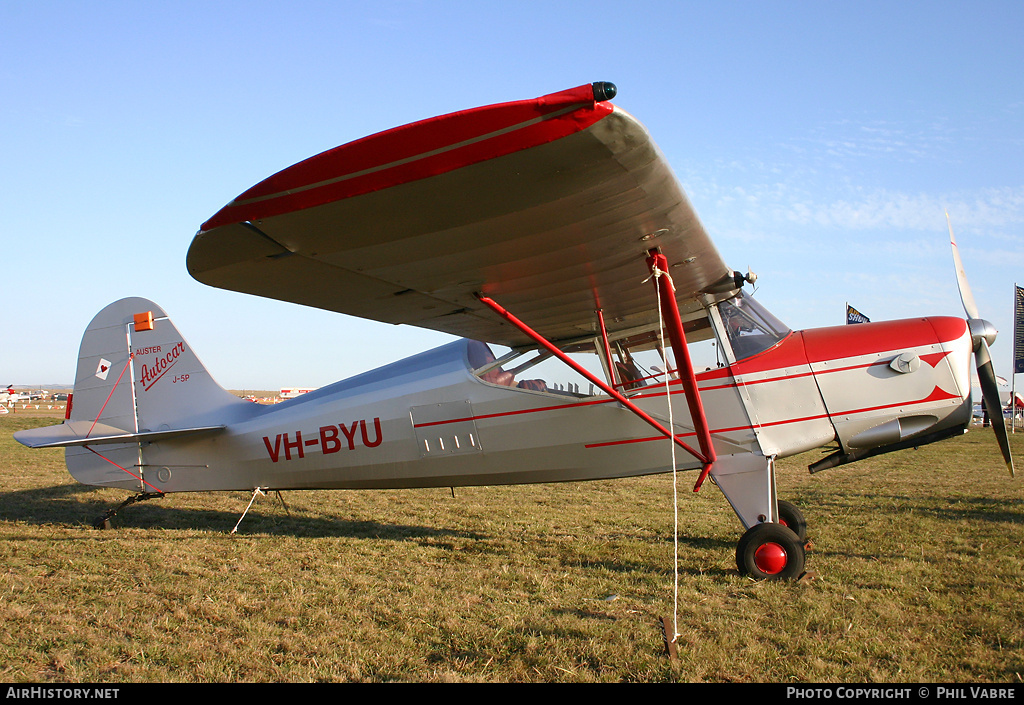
(770, 552)
(790, 516)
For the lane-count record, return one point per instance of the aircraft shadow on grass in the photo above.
(70, 506)
(984, 509)
(955, 510)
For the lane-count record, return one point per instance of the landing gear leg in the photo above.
(770, 552)
(103, 522)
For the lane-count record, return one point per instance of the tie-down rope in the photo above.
(657, 273)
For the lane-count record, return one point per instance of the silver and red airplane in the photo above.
(555, 229)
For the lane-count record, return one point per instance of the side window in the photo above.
(750, 328)
(532, 370)
(643, 358)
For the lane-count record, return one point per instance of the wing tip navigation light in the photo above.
(604, 90)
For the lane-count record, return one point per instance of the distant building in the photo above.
(293, 392)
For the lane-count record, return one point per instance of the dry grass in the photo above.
(917, 555)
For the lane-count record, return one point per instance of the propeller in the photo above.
(983, 334)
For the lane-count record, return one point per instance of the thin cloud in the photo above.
(986, 211)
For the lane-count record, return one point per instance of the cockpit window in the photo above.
(536, 370)
(751, 329)
(490, 369)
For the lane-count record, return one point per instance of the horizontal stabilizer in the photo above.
(80, 433)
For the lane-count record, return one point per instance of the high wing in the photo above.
(549, 206)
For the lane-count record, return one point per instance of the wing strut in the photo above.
(601, 384)
(612, 375)
(658, 265)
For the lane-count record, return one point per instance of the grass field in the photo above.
(917, 555)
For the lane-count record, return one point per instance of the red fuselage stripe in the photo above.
(942, 327)
(936, 394)
(661, 394)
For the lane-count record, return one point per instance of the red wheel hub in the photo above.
(770, 558)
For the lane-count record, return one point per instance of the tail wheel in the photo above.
(791, 517)
(770, 552)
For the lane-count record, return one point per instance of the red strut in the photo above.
(589, 376)
(658, 265)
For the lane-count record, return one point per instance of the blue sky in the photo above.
(819, 142)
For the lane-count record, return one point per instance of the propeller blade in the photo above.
(990, 397)
(961, 277)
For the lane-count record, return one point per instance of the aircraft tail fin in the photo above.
(137, 380)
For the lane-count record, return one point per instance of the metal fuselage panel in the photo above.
(428, 421)
(841, 382)
(779, 392)
(863, 388)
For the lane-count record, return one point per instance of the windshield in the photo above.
(751, 329)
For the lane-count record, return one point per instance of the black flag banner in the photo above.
(855, 316)
(1018, 330)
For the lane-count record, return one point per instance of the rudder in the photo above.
(137, 381)
(136, 372)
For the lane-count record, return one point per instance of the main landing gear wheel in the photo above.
(790, 516)
(770, 552)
